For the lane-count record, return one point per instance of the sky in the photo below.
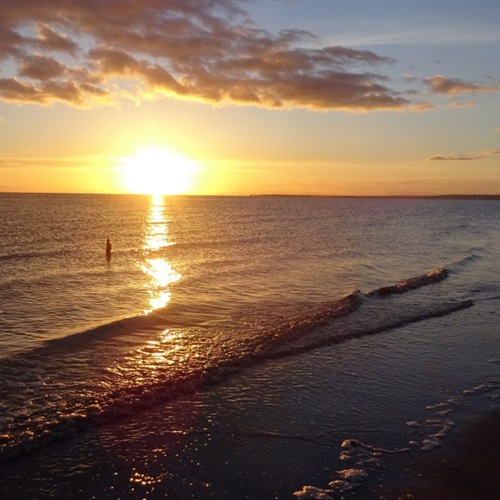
(223, 97)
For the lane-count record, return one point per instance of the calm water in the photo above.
(223, 330)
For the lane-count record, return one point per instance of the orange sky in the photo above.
(361, 98)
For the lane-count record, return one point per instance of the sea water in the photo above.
(237, 347)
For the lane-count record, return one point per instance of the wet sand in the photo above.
(466, 467)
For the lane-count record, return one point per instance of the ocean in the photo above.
(238, 347)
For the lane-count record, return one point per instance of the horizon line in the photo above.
(263, 195)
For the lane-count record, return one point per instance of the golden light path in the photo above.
(157, 171)
(147, 363)
(157, 267)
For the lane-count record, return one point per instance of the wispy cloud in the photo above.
(406, 34)
(465, 156)
(408, 77)
(76, 161)
(454, 86)
(209, 51)
(457, 105)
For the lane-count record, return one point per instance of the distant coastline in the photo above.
(402, 196)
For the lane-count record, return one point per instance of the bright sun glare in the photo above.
(158, 171)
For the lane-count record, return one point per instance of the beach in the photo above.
(306, 351)
(466, 467)
(277, 430)
(249, 250)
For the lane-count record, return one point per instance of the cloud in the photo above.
(408, 77)
(465, 156)
(39, 67)
(423, 106)
(497, 130)
(51, 40)
(457, 105)
(14, 90)
(79, 161)
(209, 51)
(449, 86)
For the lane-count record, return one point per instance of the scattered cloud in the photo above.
(407, 77)
(423, 106)
(51, 40)
(38, 67)
(450, 86)
(457, 105)
(465, 156)
(209, 51)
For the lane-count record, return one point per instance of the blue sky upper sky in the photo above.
(317, 97)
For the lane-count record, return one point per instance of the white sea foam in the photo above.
(369, 458)
(433, 422)
(413, 423)
(312, 492)
(430, 443)
(481, 389)
(434, 407)
(443, 413)
(352, 474)
(350, 478)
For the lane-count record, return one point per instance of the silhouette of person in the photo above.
(108, 248)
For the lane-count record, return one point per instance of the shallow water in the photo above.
(217, 333)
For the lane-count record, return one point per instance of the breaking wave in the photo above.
(412, 283)
(212, 359)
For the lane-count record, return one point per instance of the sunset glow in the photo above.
(158, 171)
(238, 98)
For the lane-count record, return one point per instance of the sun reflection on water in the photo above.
(157, 267)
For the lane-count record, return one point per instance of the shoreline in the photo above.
(465, 467)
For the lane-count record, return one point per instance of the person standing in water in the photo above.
(108, 248)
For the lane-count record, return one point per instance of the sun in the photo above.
(157, 170)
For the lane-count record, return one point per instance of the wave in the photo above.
(316, 315)
(34, 255)
(353, 316)
(494, 297)
(121, 326)
(60, 252)
(406, 285)
(170, 316)
(461, 264)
